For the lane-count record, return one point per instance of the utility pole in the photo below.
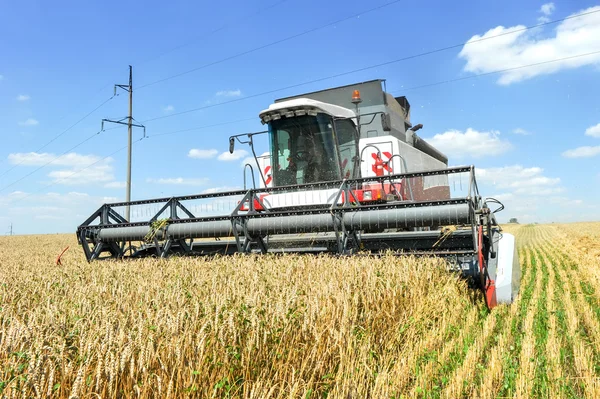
(10, 232)
(130, 124)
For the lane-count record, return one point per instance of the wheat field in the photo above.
(297, 326)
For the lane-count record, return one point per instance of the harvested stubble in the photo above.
(298, 326)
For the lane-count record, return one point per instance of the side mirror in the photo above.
(231, 145)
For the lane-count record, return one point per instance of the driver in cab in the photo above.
(305, 161)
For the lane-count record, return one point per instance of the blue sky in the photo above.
(534, 132)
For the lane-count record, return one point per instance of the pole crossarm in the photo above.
(124, 87)
(120, 122)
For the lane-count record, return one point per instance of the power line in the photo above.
(223, 27)
(61, 134)
(76, 123)
(77, 171)
(202, 127)
(51, 161)
(353, 16)
(269, 44)
(124, 147)
(250, 119)
(410, 88)
(332, 76)
(69, 150)
(343, 74)
(100, 131)
(143, 62)
(410, 57)
(106, 101)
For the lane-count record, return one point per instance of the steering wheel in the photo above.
(302, 155)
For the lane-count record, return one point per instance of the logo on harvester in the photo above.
(269, 176)
(380, 164)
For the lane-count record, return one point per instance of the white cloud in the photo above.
(35, 209)
(564, 201)
(52, 197)
(572, 37)
(221, 189)
(169, 108)
(23, 97)
(237, 154)
(48, 217)
(521, 131)
(29, 122)
(43, 158)
(116, 184)
(202, 154)
(522, 181)
(593, 131)
(543, 19)
(582, 152)
(98, 173)
(526, 193)
(229, 93)
(539, 191)
(546, 10)
(181, 181)
(82, 169)
(107, 200)
(66, 210)
(249, 160)
(585, 151)
(48, 201)
(471, 143)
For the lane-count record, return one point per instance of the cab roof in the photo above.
(308, 105)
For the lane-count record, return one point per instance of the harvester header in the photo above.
(345, 173)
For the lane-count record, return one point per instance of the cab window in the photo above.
(347, 139)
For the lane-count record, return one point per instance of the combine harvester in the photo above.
(346, 174)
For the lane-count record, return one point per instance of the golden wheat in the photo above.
(297, 326)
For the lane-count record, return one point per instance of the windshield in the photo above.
(304, 150)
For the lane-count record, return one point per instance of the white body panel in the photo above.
(300, 198)
(264, 162)
(508, 272)
(284, 200)
(415, 159)
(412, 160)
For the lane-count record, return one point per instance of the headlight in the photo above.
(368, 195)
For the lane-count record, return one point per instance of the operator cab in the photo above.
(311, 142)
